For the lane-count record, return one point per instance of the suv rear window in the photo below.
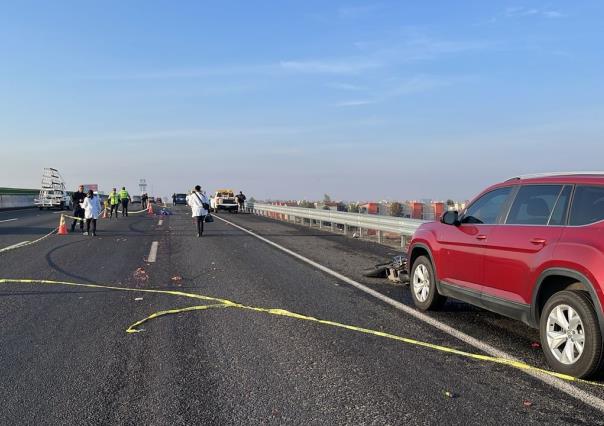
(533, 205)
(588, 205)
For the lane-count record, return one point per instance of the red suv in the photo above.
(531, 248)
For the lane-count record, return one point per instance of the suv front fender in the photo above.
(421, 246)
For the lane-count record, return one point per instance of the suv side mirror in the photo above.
(450, 218)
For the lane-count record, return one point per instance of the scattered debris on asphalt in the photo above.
(141, 275)
(395, 270)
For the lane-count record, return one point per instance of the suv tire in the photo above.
(570, 334)
(422, 282)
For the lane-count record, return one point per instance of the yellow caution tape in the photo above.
(225, 303)
(73, 217)
(136, 212)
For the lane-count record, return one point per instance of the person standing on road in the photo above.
(241, 201)
(144, 199)
(173, 200)
(77, 198)
(114, 202)
(124, 198)
(199, 204)
(92, 210)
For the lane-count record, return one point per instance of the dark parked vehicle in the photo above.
(531, 248)
(180, 199)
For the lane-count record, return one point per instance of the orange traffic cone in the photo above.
(105, 213)
(149, 210)
(62, 226)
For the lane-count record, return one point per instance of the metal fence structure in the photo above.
(383, 229)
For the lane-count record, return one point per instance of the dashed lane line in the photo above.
(8, 220)
(153, 252)
(536, 373)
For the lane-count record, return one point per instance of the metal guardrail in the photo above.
(16, 201)
(382, 224)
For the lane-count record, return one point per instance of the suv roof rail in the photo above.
(548, 174)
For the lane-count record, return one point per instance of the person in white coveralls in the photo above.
(92, 210)
(200, 206)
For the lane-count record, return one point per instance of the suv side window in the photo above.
(558, 216)
(487, 208)
(534, 204)
(588, 205)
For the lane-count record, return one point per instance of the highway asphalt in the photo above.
(66, 357)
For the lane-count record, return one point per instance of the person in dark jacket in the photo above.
(144, 200)
(241, 201)
(77, 198)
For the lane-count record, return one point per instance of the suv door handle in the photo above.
(481, 237)
(538, 241)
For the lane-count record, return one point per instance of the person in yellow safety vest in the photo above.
(114, 202)
(124, 198)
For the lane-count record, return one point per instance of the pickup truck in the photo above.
(224, 199)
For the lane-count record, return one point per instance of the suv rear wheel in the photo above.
(570, 334)
(423, 285)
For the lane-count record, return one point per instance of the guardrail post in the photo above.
(380, 236)
(345, 230)
(320, 224)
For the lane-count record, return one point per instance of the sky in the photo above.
(385, 100)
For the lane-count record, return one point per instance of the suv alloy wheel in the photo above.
(423, 285)
(570, 335)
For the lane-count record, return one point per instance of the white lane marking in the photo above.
(160, 223)
(15, 245)
(555, 382)
(153, 252)
(7, 220)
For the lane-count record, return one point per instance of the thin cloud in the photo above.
(553, 14)
(354, 103)
(415, 46)
(519, 12)
(414, 85)
(329, 66)
(345, 86)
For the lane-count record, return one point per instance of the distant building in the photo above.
(373, 208)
